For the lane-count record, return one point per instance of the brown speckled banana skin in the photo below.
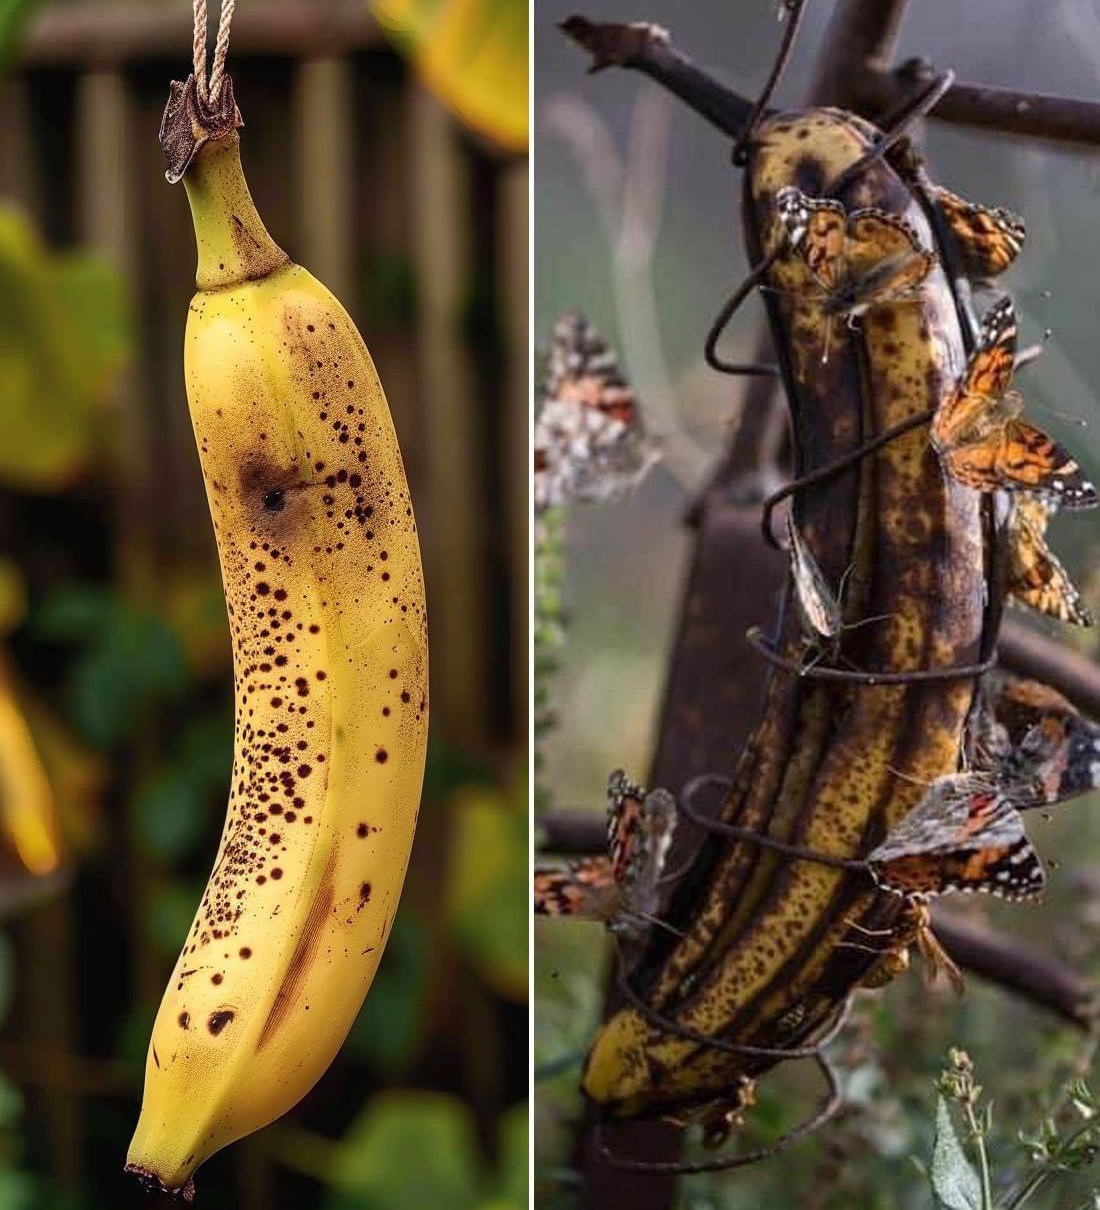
(759, 962)
(321, 567)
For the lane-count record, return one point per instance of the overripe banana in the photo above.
(324, 589)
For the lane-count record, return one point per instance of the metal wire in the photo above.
(831, 1106)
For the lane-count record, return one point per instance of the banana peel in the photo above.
(831, 766)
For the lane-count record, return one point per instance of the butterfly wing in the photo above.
(585, 890)
(815, 229)
(1035, 575)
(1028, 460)
(819, 607)
(885, 260)
(963, 835)
(988, 238)
(590, 441)
(1055, 751)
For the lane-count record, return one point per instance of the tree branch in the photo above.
(867, 87)
(1028, 653)
(648, 48)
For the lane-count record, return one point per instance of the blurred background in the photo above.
(637, 222)
(386, 149)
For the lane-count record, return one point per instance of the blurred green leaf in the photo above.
(391, 1021)
(171, 814)
(11, 1104)
(173, 809)
(449, 768)
(513, 1167)
(171, 910)
(487, 892)
(207, 749)
(954, 1181)
(17, 1190)
(130, 660)
(73, 613)
(13, 16)
(64, 331)
(408, 1151)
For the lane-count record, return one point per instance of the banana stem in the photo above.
(233, 244)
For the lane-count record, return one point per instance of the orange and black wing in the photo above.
(1036, 577)
(988, 238)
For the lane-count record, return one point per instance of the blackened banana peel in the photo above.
(772, 947)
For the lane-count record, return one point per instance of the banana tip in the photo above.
(151, 1181)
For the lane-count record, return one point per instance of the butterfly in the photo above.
(820, 609)
(989, 238)
(1035, 575)
(623, 888)
(981, 439)
(964, 835)
(590, 441)
(859, 261)
(1036, 743)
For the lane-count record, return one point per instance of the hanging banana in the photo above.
(323, 584)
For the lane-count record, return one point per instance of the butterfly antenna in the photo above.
(916, 781)
(786, 49)
(1079, 421)
(657, 922)
(875, 617)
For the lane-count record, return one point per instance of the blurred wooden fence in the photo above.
(362, 176)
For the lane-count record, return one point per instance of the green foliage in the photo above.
(13, 16)
(127, 660)
(954, 1179)
(173, 809)
(487, 897)
(390, 1024)
(410, 1150)
(1067, 1141)
(548, 630)
(64, 331)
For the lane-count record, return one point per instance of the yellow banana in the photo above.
(323, 584)
(28, 812)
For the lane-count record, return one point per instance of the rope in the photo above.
(221, 48)
(209, 93)
(199, 48)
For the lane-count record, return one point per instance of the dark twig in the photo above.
(863, 36)
(648, 49)
(1030, 654)
(1020, 968)
(1033, 114)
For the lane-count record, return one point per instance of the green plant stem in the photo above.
(983, 1159)
(1041, 1177)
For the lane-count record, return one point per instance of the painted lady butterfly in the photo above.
(623, 888)
(981, 439)
(590, 442)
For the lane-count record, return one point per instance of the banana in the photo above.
(324, 589)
